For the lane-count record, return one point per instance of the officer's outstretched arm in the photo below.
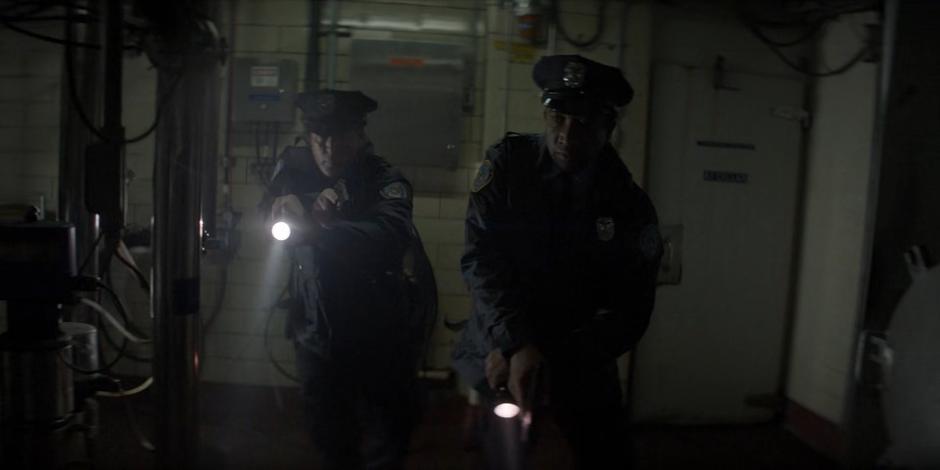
(628, 296)
(384, 228)
(487, 264)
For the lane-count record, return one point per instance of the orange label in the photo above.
(406, 61)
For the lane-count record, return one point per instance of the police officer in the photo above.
(361, 289)
(562, 251)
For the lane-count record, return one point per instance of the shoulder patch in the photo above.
(650, 242)
(484, 176)
(396, 190)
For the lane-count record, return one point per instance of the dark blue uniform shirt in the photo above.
(357, 285)
(566, 262)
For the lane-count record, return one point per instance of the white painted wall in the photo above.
(830, 288)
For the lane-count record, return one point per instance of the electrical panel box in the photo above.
(420, 89)
(37, 261)
(264, 90)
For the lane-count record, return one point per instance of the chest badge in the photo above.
(574, 74)
(605, 229)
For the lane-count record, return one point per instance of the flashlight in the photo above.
(283, 227)
(280, 230)
(505, 407)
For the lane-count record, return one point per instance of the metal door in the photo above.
(723, 170)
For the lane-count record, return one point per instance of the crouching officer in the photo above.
(562, 251)
(361, 287)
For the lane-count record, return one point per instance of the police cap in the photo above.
(328, 112)
(575, 85)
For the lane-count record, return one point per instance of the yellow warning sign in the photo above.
(519, 51)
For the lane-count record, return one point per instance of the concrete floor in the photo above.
(261, 427)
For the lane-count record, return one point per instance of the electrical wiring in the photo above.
(125, 257)
(33, 19)
(79, 107)
(122, 349)
(814, 20)
(113, 321)
(808, 35)
(38, 6)
(116, 300)
(43, 37)
(131, 416)
(821, 17)
(267, 344)
(126, 393)
(158, 112)
(122, 352)
(855, 59)
(217, 308)
(277, 132)
(10, 20)
(86, 121)
(41, 5)
(99, 370)
(90, 254)
(257, 128)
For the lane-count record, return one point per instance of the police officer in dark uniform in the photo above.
(562, 251)
(361, 286)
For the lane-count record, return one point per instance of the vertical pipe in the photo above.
(179, 155)
(552, 46)
(210, 158)
(229, 161)
(621, 41)
(113, 66)
(312, 71)
(810, 94)
(113, 130)
(175, 298)
(74, 137)
(508, 38)
(862, 411)
(334, 21)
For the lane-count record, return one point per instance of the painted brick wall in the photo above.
(29, 122)
(235, 345)
(29, 117)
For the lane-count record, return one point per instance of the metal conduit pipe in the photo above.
(182, 143)
(333, 47)
(74, 137)
(175, 297)
(312, 71)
